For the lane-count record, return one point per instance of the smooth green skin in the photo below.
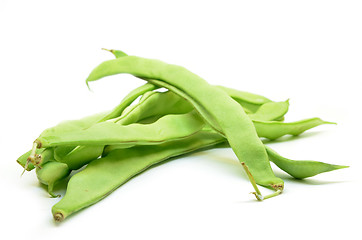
(250, 101)
(104, 175)
(217, 108)
(302, 168)
(274, 129)
(51, 173)
(149, 106)
(163, 103)
(46, 156)
(270, 111)
(155, 104)
(84, 123)
(80, 156)
(167, 128)
(265, 129)
(73, 125)
(128, 100)
(65, 126)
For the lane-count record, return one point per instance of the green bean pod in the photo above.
(250, 101)
(156, 104)
(302, 168)
(84, 123)
(104, 175)
(167, 128)
(216, 107)
(274, 129)
(51, 173)
(127, 100)
(159, 104)
(80, 156)
(270, 111)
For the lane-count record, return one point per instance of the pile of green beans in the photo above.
(105, 150)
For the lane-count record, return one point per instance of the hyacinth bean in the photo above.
(236, 126)
(104, 175)
(302, 168)
(127, 101)
(250, 101)
(80, 156)
(270, 111)
(167, 128)
(51, 173)
(151, 104)
(84, 123)
(274, 129)
(155, 105)
(159, 104)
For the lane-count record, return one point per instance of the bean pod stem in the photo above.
(257, 192)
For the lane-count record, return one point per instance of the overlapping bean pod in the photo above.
(160, 126)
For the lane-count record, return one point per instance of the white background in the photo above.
(308, 51)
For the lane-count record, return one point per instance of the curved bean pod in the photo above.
(127, 100)
(302, 168)
(167, 128)
(104, 175)
(51, 173)
(159, 104)
(250, 101)
(237, 127)
(80, 156)
(273, 129)
(156, 104)
(84, 123)
(270, 111)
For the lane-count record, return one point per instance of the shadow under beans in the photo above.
(311, 181)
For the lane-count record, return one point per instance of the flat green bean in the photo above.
(167, 128)
(270, 111)
(80, 156)
(302, 168)
(151, 104)
(84, 123)
(51, 173)
(274, 129)
(250, 101)
(104, 175)
(237, 127)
